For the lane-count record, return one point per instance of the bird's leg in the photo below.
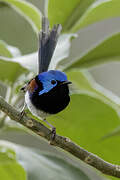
(22, 111)
(53, 133)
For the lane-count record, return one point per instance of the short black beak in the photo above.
(66, 82)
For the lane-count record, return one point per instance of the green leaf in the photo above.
(115, 132)
(77, 14)
(9, 167)
(85, 84)
(66, 12)
(4, 51)
(8, 51)
(105, 51)
(98, 11)
(7, 55)
(28, 11)
(47, 166)
(12, 73)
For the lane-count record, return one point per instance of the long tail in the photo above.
(47, 43)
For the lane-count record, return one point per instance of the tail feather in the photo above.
(47, 43)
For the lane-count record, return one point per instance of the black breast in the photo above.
(52, 102)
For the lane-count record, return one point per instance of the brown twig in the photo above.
(60, 141)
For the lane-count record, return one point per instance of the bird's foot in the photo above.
(53, 134)
(22, 114)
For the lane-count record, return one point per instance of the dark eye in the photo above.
(53, 82)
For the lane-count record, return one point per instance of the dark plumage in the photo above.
(52, 102)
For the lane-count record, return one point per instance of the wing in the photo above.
(47, 43)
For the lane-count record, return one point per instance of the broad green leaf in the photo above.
(114, 132)
(28, 11)
(66, 12)
(10, 71)
(47, 166)
(9, 167)
(105, 51)
(77, 14)
(85, 84)
(8, 51)
(4, 51)
(98, 11)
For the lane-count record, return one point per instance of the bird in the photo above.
(48, 92)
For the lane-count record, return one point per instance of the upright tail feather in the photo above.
(47, 43)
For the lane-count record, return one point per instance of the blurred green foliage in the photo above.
(9, 167)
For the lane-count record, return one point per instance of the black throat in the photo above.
(52, 102)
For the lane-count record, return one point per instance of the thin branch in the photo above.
(60, 141)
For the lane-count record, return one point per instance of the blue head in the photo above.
(50, 79)
(49, 91)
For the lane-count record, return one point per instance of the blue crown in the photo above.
(47, 77)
